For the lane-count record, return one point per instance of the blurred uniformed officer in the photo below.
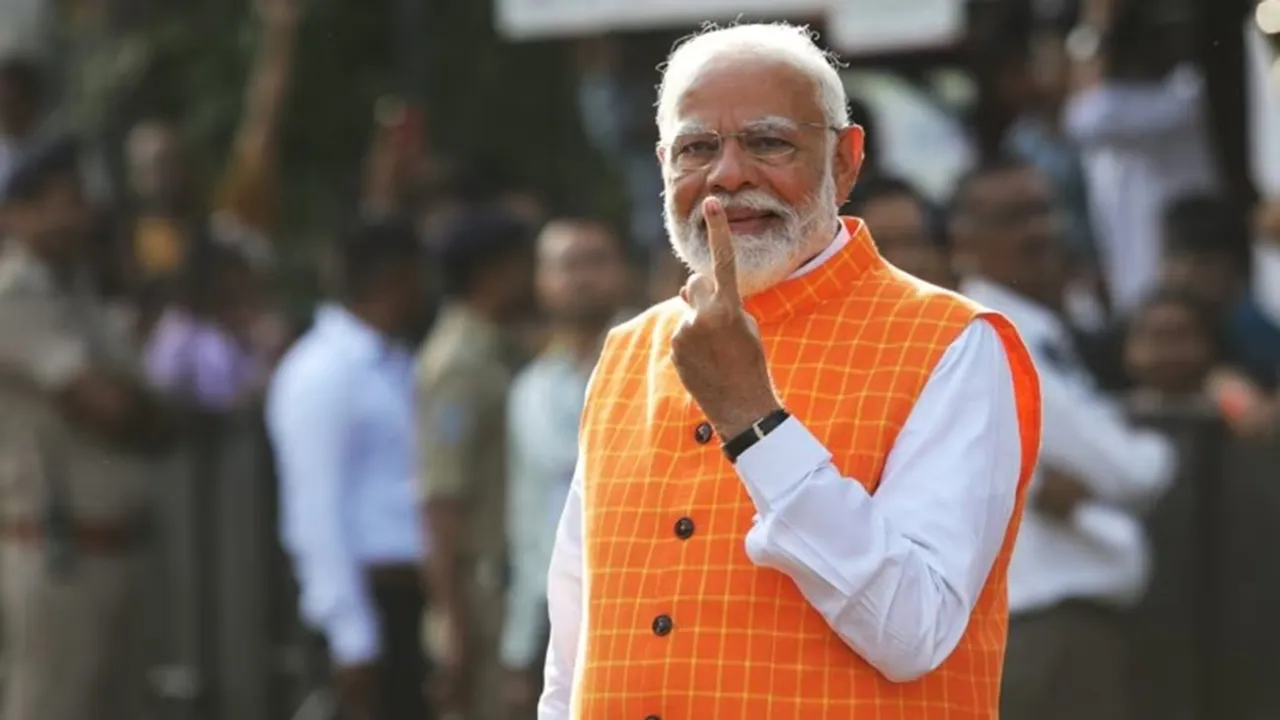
(75, 433)
(463, 373)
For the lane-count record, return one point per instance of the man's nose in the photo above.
(732, 170)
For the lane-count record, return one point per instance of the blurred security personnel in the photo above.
(845, 561)
(75, 432)
(463, 373)
(1081, 556)
(582, 283)
(340, 415)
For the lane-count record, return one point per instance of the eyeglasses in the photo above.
(772, 146)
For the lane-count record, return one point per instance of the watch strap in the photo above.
(743, 441)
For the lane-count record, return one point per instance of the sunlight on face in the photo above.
(766, 258)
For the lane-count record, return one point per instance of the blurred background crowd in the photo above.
(299, 298)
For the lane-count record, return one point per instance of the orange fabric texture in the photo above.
(850, 346)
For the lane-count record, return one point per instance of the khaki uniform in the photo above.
(67, 598)
(464, 370)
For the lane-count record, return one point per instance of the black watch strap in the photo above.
(742, 442)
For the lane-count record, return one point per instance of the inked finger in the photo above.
(720, 241)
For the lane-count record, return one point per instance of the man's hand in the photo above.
(357, 691)
(717, 350)
(1059, 494)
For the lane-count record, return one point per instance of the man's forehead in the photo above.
(737, 91)
(760, 123)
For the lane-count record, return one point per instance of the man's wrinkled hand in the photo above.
(1059, 494)
(716, 350)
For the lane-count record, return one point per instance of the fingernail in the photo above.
(712, 206)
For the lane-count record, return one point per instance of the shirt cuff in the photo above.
(777, 463)
(353, 639)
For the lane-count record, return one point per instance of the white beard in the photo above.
(767, 258)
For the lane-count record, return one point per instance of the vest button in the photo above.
(684, 528)
(662, 625)
(703, 433)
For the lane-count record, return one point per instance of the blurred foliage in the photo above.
(510, 107)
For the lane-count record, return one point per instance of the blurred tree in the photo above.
(508, 106)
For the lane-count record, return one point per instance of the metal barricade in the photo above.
(1206, 636)
(223, 623)
(228, 645)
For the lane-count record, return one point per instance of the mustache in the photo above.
(754, 200)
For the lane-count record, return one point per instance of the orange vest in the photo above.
(850, 346)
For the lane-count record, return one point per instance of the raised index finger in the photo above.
(720, 241)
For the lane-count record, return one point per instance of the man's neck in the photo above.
(376, 317)
(583, 342)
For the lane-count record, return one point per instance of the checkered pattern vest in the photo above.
(850, 346)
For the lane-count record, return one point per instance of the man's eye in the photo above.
(698, 147)
(768, 143)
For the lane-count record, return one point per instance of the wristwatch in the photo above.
(1083, 43)
(742, 442)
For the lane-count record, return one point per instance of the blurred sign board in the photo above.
(872, 26)
(541, 19)
(853, 26)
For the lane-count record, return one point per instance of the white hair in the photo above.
(791, 44)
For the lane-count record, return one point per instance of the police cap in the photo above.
(477, 237)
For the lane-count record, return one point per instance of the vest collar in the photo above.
(822, 279)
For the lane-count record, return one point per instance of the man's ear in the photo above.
(661, 152)
(849, 155)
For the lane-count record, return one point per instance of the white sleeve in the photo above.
(896, 574)
(1088, 436)
(1136, 113)
(308, 419)
(564, 603)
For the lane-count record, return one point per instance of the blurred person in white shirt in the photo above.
(1081, 559)
(581, 283)
(340, 417)
(1138, 112)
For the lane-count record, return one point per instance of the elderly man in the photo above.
(842, 552)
